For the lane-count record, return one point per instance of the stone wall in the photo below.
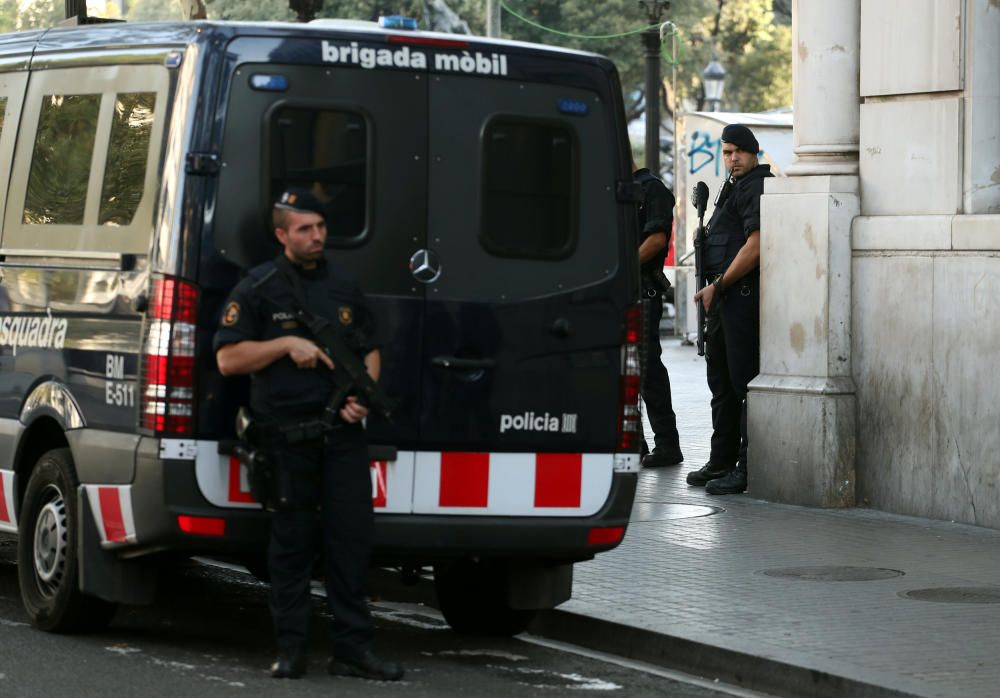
(926, 260)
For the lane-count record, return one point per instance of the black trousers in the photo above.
(732, 353)
(655, 386)
(331, 495)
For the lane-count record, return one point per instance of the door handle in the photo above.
(562, 328)
(462, 364)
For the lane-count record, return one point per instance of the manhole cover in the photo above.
(833, 573)
(654, 511)
(955, 595)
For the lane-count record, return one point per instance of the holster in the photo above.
(261, 473)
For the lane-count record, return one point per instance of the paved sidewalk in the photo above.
(712, 572)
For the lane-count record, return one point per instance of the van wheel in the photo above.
(47, 555)
(473, 599)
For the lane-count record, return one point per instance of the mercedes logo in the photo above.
(425, 266)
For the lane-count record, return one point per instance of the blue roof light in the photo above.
(397, 22)
(574, 106)
(268, 83)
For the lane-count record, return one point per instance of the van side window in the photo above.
(325, 151)
(530, 189)
(60, 164)
(128, 151)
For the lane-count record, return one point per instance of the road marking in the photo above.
(645, 667)
(495, 654)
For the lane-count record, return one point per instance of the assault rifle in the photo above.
(700, 201)
(350, 376)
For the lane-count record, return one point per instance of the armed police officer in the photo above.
(319, 470)
(731, 299)
(656, 215)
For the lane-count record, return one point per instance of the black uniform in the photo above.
(656, 215)
(327, 480)
(732, 336)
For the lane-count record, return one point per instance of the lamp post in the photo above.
(651, 40)
(713, 79)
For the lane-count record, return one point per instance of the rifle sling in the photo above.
(326, 333)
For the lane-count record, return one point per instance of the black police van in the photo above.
(480, 190)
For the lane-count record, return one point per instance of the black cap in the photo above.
(742, 137)
(301, 200)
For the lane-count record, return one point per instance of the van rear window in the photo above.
(128, 152)
(531, 189)
(325, 151)
(60, 164)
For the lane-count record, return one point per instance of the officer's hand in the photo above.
(704, 296)
(353, 411)
(305, 354)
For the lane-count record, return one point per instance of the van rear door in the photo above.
(523, 335)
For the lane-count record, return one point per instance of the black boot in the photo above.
(366, 666)
(709, 471)
(733, 483)
(662, 456)
(290, 664)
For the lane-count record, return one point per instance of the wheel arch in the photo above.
(43, 434)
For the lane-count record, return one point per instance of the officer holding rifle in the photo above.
(730, 295)
(282, 324)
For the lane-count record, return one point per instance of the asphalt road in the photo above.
(209, 635)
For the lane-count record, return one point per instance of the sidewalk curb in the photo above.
(745, 670)
(749, 671)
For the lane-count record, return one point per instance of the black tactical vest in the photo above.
(728, 227)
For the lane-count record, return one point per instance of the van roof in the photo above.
(124, 35)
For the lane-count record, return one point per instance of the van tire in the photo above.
(47, 565)
(472, 596)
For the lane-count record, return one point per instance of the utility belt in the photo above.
(655, 283)
(255, 449)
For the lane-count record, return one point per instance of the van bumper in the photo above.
(399, 538)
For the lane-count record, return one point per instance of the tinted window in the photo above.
(324, 151)
(128, 150)
(60, 163)
(530, 194)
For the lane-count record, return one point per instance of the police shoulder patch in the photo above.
(232, 314)
(346, 315)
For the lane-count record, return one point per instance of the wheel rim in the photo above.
(51, 542)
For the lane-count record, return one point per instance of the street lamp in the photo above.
(713, 79)
(651, 40)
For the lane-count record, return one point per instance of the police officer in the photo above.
(325, 475)
(656, 215)
(731, 299)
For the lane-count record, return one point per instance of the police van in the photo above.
(479, 188)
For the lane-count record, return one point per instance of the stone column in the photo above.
(802, 406)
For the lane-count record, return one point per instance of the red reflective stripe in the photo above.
(425, 41)
(4, 511)
(380, 491)
(236, 491)
(558, 479)
(465, 480)
(605, 536)
(111, 514)
(202, 525)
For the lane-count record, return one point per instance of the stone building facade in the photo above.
(880, 317)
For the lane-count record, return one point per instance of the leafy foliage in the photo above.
(752, 38)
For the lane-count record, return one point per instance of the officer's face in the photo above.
(303, 236)
(737, 161)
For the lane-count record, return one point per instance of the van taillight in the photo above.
(628, 394)
(168, 368)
